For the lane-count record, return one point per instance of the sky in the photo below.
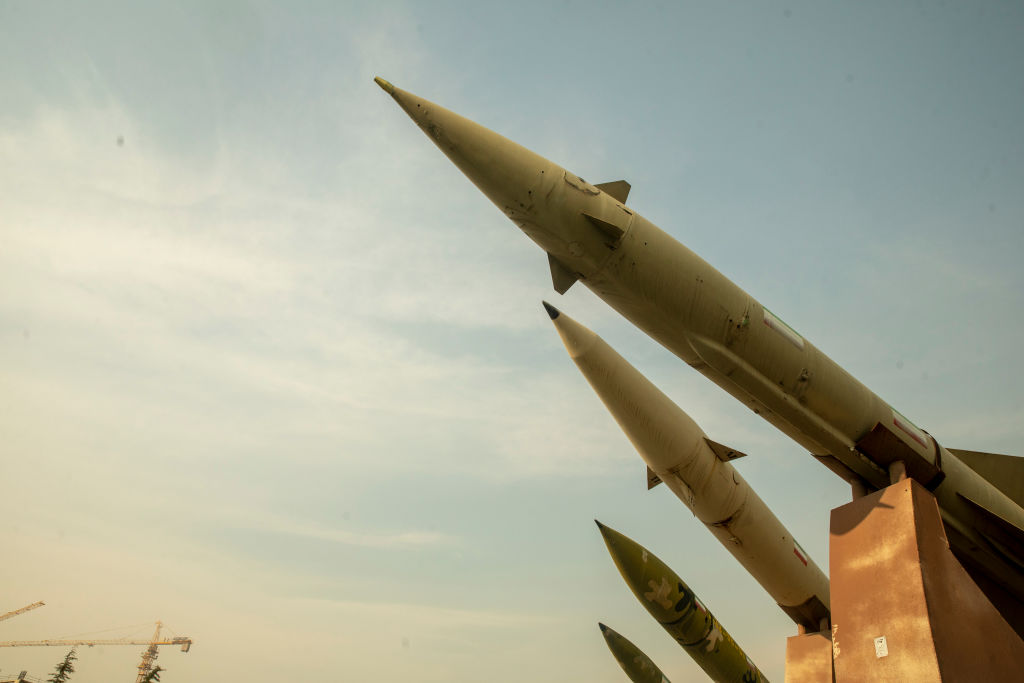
(274, 372)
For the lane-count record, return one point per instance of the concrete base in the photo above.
(809, 658)
(903, 609)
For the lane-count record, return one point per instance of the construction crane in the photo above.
(148, 657)
(24, 609)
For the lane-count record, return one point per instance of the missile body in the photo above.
(678, 452)
(638, 666)
(681, 301)
(671, 602)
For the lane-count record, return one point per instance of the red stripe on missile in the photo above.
(799, 555)
(911, 431)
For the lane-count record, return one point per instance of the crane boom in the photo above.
(184, 642)
(24, 609)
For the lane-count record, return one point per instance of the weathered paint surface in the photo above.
(903, 608)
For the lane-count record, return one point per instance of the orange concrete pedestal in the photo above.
(903, 609)
(809, 658)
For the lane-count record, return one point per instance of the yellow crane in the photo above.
(24, 609)
(148, 657)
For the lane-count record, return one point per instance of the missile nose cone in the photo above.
(577, 338)
(554, 313)
(657, 587)
(387, 87)
(602, 627)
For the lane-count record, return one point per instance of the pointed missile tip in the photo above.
(385, 86)
(603, 627)
(554, 313)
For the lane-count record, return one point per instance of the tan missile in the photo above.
(638, 666)
(591, 236)
(680, 612)
(699, 472)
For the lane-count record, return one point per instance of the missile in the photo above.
(699, 472)
(638, 666)
(673, 605)
(678, 299)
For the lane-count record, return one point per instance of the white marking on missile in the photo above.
(713, 637)
(645, 556)
(909, 428)
(881, 647)
(659, 594)
(787, 332)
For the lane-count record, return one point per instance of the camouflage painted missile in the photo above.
(681, 301)
(638, 666)
(701, 475)
(671, 602)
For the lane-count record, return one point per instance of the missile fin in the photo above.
(652, 479)
(724, 453)
(610, 229)
(1004, 535)
(561, 277)
(617, 189)
(1005, 472)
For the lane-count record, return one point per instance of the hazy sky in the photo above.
(272, 370)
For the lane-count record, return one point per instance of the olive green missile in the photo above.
(671, 602)
(681, 301)
(699, 472)
(638, 666)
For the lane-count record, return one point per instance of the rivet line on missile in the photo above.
(688, 306)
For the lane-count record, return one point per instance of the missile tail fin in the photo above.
(1005, 472)
(617, 189)
(1006, 537)
(652, 479)
(609, 230)
(561, 277)
(724, 453)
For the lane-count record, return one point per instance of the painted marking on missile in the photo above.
(881, 647)
(787, 332)
(645, 555)
(835, 640)
(799, 552)
(659, 594)
(909, 428)
(714, 636)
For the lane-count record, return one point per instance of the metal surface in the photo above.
(698, 471)
(638, 666)
(712, 324)
(673, 605)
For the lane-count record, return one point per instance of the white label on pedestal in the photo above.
(881, 647)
